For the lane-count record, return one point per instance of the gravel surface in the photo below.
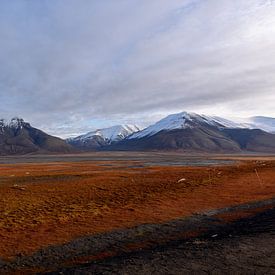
(244, 247)
(200, 244)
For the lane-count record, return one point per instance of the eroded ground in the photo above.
(53, 203)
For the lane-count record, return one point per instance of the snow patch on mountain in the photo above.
(14, 123)
(171, 122)
(185, 120)
(260, 122)
(224, 123)
(111, 134)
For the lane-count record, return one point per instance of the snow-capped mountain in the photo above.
(260, 122)
(191, 132)
(103, 137)
(15, 123)
(225, 123)
(185, 120)
(111, 134)
(19, 137)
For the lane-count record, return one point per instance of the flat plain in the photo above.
(50, 201)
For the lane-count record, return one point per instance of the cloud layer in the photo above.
(68, 65)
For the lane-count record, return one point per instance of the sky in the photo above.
(71, 66)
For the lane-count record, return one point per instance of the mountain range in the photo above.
(188, 132)
(191, 132)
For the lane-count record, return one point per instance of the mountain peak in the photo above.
(110, 134)
(18, 137)
(184, 120)
(180, 120)
(15, 123)
(114, 133)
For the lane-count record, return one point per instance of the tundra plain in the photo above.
(50, 201)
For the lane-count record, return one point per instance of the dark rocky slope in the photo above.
(254, 140)
(19, 137)
(206, 139)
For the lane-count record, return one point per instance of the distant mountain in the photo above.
(198, 133)
(185, 120)
(188, 132)
(185, 131)
(103, 137)
(260, 122)
(19, 137)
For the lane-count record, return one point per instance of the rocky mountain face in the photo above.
(19, 137)
(252, 140)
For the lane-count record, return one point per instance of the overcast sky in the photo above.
(70, 66)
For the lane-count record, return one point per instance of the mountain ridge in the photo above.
(103, 137)
(19, 137)
(193, 132)
(188, 132)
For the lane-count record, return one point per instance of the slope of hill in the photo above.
(193, 132)
(254, 140)
(185, 120)
(189, 132)
(19, 137)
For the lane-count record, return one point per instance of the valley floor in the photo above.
(51, 203)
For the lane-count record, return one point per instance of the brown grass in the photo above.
(44, 204)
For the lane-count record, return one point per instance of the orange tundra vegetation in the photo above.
(52, 203)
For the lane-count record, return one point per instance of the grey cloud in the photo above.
(71, 65)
